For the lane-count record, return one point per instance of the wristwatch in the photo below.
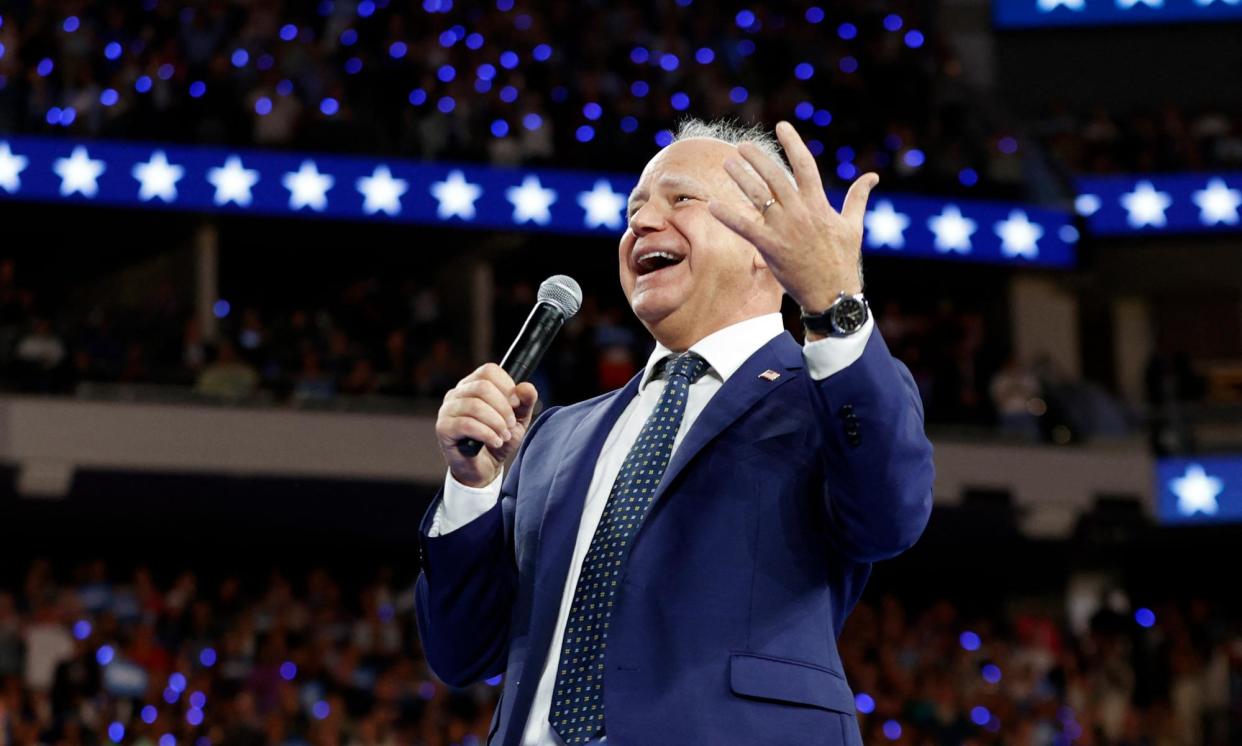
(846, 315)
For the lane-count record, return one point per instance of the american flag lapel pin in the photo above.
(769, 375)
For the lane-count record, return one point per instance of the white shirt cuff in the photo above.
(462, 504)
(834, 354)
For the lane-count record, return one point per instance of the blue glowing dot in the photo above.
(485, 71)
(112, 51)
(70, 25)
(1, 51)
(979, 715)
(804, 71)
(629, 124)
(448, 39)
(508, 94)
(418, 97)
(446, 104)
(541, 53)
(240, 57)
(177, 682)
(500, 128)
(592, 111)
(508, 60)
(207, 656)
(968, 177)
(1068, 234)
(804, 110)
(148, 714)
(892, 730)
(816, 147)
(366, 8)
(198, 699)
(845, 153)
(67, 115)
(679, 101)
(991, 673)
(914, 158)
(847, 31)
(1007, 145)
(284, 87)
(288, 32)
(221, 308)
(329, 106)
(639, 88)
(745, 47)
(669, 61)
(893, 22)
(846, 170)
(397, 50)
(353, 65)
(167, 740)
(142, 84)
(104, 655)
(53, 115)
(704, 55)
(493, 681)
(504, 6)
(165, 71)
(482, 86)
(684, 3)
(320, 710)
(265, 62)
(116, 732)
(848, 65)
(969, 641)
(914, 39)
(349, 37)
(532, 121)
(522, 22)
(474, 41)
(263, 106)
(639, 55)
(194, 716)
(864, 703)
(109, 97)
(745, 19)
(814, 14)
(44, 68)
(738, 95)
(1145, 617)
(585, 133)
(664, 138)
(446, 73)
(171, 695)
(822, 117)
(288, 670)
(82, 628)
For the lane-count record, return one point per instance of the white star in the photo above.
(382, 192)
(1019, 236)
(78, 173)
(307, 187)
(1218, 203)
(603, 206)
(1132, 3)
(1047, 6)
(233, 182)
(952, 230)
(1145, 205)
(1196, 491)
(158, 178)
(11, 166)
(1087, 205)
(456, 196)
(531, 201)
(885, 226)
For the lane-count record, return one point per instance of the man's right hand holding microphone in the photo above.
(488, 407)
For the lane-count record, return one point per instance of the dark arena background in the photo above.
(246, 248)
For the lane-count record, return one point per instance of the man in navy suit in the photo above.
(672, 562)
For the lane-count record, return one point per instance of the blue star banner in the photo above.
(1160, 203)
(1026, 13)
(1199, 490)
(214, 179)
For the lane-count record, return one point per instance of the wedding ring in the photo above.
(763, 210)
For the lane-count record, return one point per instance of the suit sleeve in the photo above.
(466, 589)
(876, 457)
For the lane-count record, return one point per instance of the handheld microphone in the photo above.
(559, 299)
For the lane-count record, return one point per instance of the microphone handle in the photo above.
(524, 355)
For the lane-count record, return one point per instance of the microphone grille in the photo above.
(563, 292)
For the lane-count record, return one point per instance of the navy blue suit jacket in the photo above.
(756, 546)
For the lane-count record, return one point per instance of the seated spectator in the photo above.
(227, 377)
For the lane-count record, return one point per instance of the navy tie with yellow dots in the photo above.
(577, 711)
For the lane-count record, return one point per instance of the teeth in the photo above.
(646, 258)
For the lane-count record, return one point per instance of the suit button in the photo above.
(852, 429)
(847, 410)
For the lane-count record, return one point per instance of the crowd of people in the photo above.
(91, 656)
(873, 86)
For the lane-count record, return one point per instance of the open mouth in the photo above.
(654, 261)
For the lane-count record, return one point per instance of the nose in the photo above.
(647, 219)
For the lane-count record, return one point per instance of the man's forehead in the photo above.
(685, 163)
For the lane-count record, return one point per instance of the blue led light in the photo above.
(532, 121)
(522, 22)
(142, 84)
(353, 65)
(585, 133)
(846, 170)
(804, 110)
(639, 88)
(171, 695)
(893, 22)
(541, 53)
(349, 37)
(112, 51)
(500, 128)
(148, 714)
(320, 710)
(198, 699)
(814, 14)
(288, 32)
(822, 117)
(109, 97)
(1, 51)
(448, 39)
(474, 41)
(914, 39)
(508, 94)
(240, 57)
(848, 65)
(639, 55)
(104, 655)
(197, 89)
(446, 73)
(485, 71)
(168, 739)
(482, 86)
(194, 716)
(979, 715)
(804, 71)
(504, 6)
(1145, 617)
(669, 61)
(864, 703)
(70, 25)
(67, 115)
(738, 95)
(629, 124)
(116, 732)
(220, 309)
(679, 101)
(816, 147)
(81, 629)
(663, 138)
(745, 19)
(508, 60)
(446, 104)
(1007, 145)
(914, 158)
(968, 177)
(745, 47)
(892, 730)
(288, 670)
(284, 87)
(165, 71)
(45, 67)
(704, 55)
(847, 31)
(991, 673)
(969, 640)
(366, 8)
(418, 97)
(397, 50)
(845, 153)
(177, 682)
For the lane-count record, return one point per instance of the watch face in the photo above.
(849, 315)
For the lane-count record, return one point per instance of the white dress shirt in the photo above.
(724, 351)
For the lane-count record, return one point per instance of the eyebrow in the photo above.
(671, 181)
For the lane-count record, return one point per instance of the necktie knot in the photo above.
(688, 365)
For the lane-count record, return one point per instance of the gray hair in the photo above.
(734, 133)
